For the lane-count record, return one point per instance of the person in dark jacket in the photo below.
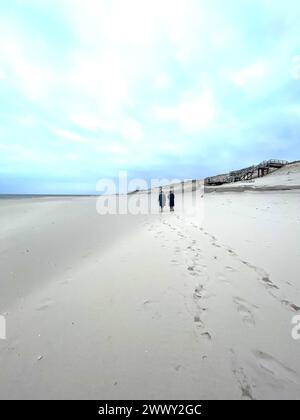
(161, 200)
(171, 200)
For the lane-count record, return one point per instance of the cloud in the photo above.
(121, 79)
(26, 155)
(68, 135)
(27, 121)
(112, 149)
(28, 74)
(128, 128)
(131, 130)
(163, 81)
(100, 76)
(90, 122)
(135, 22)
(253, 73)
(193, 114)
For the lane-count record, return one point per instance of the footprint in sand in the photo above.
(274, 368)
(290, 305)
(265, 279)
(216, 245)
(193, 270)
(231, 269)
(156, 316)
(242, 380)
(198, 293)
(199, 255)
(223, 279)
(199, 324)
(206, 335)
(247, 264)
(181, 235)
(197, 319)
(268, 283)
(46, 304)
(244, 310)
(231, 252)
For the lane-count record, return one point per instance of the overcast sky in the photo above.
(160, 88)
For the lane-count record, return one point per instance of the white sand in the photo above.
(154, 306)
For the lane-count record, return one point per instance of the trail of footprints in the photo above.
(263, 277)
(245, 311)
(242, 380)
(276, 373)
(244, 308)
(193, 256)
(196, 269)
(273, 368)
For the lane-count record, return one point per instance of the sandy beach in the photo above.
(162, 306)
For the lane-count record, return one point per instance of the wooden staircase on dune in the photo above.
(247, 174)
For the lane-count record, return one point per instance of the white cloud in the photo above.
(27, 121)
(29, 75)
(90, 122)
(101, 77)
(131, 130)
(193, 113)
(72, 157)
(127, 127)
(163, 81)
(19, 153)
(242, 78)
(135, 31)
(35, 81)
(98, 67)
(170, 147)
(68, 135)
(116, 51)
(112, 149)
(133, 22)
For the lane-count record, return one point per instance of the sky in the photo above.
(161, 89)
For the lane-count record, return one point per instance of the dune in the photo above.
(285, 178)
(190, 305)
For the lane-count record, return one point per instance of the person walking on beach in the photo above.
(171, 200)
(161, 200)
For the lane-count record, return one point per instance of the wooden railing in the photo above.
(246, 173)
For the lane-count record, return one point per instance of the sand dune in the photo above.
(151, 306)
(285, 178)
